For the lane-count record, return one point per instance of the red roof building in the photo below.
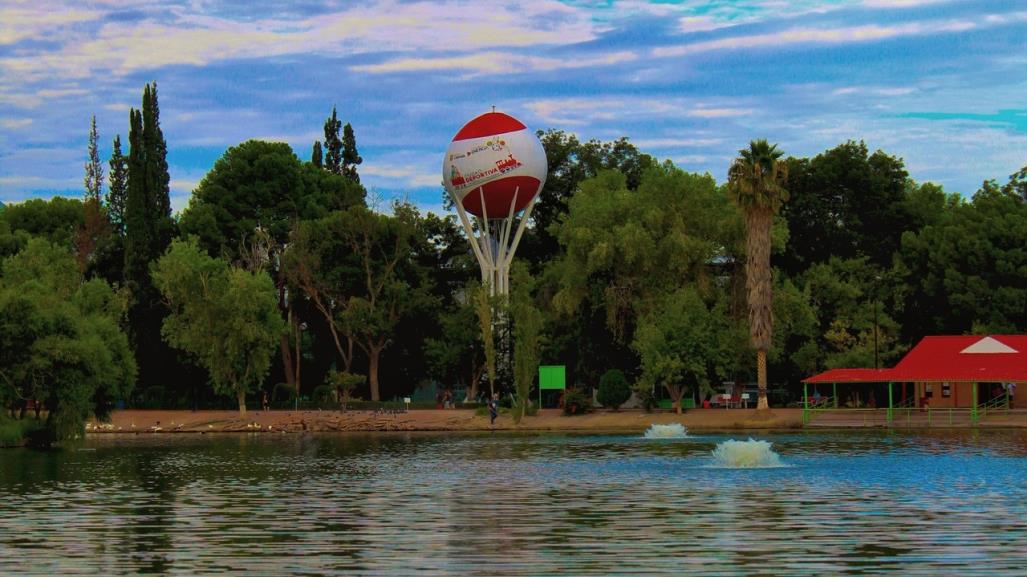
(946, 370)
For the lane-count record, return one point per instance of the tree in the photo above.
(224, 316)
(613, 389)
(755, 184)
(333, 144)
(317, 156)
(485, 311)
(846, 203)
(527, 322)
(355, 267)
(570, 162)
(118, 188)
(148, 230)
(457, 354)
(350, 157)
(678, 341)
(621, 247)
(95, 225)
(60, 341)
(94, 170)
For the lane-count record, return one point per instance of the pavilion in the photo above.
(955, 372)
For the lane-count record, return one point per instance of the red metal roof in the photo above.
(963, 358)
(851, 376)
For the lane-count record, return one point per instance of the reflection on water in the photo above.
(850, 503)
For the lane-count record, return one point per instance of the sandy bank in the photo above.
(434, 420)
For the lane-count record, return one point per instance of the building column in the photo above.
(889, 403)
(835, 393)
(805, 402)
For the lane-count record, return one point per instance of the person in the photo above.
(1011, 391)
(493, 411)
(264, 402)
(816, 397)
(871, 401)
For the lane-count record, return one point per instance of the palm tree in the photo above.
(754, 182)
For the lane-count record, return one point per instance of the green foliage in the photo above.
(60, 339)
(94, 170)
(527, 338)
(350, 157)
(685, 344)
(485, 308)
(613, 389)
(225, 317)
(116, 194)
(846, 203)
(55, 220)
(343, 384)
(576, 402)
(333, 144)
(260, 184)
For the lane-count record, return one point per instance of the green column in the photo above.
(973, 409)
(889, 404)
(805, 402)
(835, 393)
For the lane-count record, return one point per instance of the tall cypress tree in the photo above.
(317, 155)
(350, 157)
(118, 191)
(138, 229)
(94, 170)
(148, 231)
(333, 144)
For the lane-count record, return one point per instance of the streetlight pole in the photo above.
(877, 363)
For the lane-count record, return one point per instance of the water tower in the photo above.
(494, 170)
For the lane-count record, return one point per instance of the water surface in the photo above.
(457, 504)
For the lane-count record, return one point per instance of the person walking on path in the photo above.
(493, 411)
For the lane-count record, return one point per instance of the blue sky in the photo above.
(941, 84)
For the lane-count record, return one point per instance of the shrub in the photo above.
(613, 389)
(644, 393)
(576, 403)
(15, 432)
(324, 395)
(283, 394)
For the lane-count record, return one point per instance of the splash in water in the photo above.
(749, 454)
(671, 431)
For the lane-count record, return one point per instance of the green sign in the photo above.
(552, 377)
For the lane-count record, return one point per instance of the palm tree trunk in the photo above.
(761, 377)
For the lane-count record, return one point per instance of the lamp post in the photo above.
(877, 363)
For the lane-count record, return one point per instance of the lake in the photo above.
(849, 503)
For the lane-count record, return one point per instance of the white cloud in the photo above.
(719, 112)
(15, 123)
(415, 177)
(494, 63)
(838, 35)
(676, 142)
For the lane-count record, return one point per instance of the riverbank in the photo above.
(161, 421)
(141, 421)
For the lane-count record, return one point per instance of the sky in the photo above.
(941, 84)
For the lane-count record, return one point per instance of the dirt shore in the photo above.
(434, 420)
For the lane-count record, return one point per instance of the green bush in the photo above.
(576, 403)
(613, 389)
(15, 432)
(324, 395)
(283, 395)
(644, 393)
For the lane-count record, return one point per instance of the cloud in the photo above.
(838, 35)
(384, 26)
(494, 63)
(411, 176)
(15, 123)
(719, 112)
(36, 19)
(658, 143)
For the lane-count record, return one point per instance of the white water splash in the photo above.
(749, 454)
(671, 431)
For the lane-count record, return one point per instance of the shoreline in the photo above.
(457, 420)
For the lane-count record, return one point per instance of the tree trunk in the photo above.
(675, 395)
(283, 346)
(374, 352)
(241, 395)
(761, 377)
